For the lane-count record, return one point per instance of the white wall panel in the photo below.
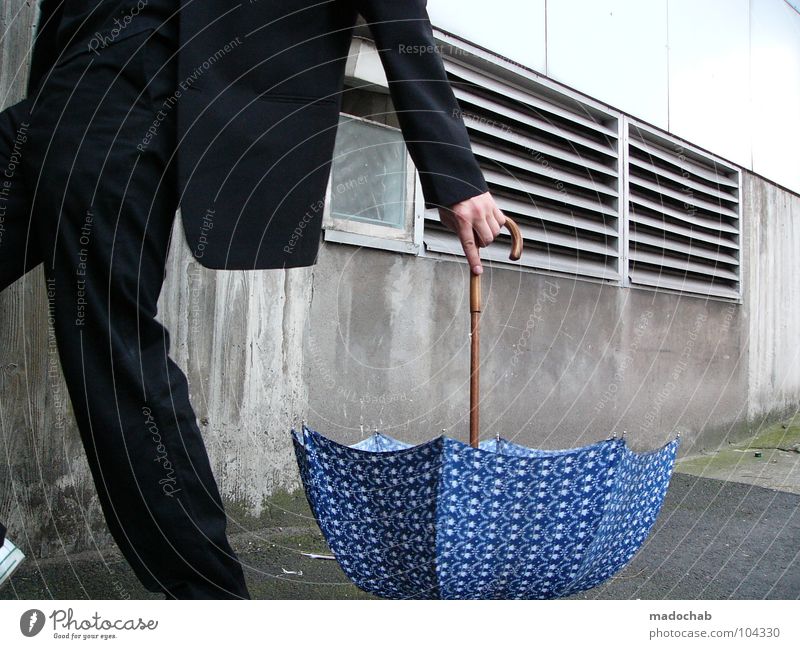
(775, 80)
(709, 80)
(722, 74)
(511, 28)
(612, 50)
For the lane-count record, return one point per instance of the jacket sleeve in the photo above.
(426, 107)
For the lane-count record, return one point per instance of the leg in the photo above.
(18, 250)
(103, 223)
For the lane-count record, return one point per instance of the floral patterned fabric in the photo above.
(443, 520)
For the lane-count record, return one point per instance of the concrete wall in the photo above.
(564, 362)
(772, 297)
(238, 337)
(377, 338)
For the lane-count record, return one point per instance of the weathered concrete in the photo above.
(18, 21)
(238, 335)
(712, 540)
(381, 339)
(564, 361)
(771, 251)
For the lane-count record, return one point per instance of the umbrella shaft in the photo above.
(474, 383)
(474, 360)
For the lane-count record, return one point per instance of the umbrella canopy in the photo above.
(444, 520)
(488, 520)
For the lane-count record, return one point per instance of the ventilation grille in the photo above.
(683, 217)
(552, 164)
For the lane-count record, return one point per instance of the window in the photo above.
(373, 189)
(369, 173)
(596, 194)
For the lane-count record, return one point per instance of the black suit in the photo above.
(257, 130)
(250, 94)
(260, 87)
(100, 214)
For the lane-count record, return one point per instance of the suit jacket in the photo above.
(258, 100)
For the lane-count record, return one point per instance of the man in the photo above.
(229, 109)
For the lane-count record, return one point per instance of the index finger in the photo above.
(467, 237)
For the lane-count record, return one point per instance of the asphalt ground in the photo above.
(714, 539)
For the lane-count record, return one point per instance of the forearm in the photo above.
(426, 107)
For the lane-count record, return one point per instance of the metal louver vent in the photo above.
(552, 163)
(683, 217)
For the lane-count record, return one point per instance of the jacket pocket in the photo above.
(296, 99)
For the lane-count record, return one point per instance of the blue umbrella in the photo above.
(489, 520)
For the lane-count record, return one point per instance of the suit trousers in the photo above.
(93, 196)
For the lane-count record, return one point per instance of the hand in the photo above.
(476, 221)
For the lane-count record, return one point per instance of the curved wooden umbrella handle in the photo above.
(475, 311)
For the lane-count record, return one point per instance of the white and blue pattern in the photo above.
(443, 520)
